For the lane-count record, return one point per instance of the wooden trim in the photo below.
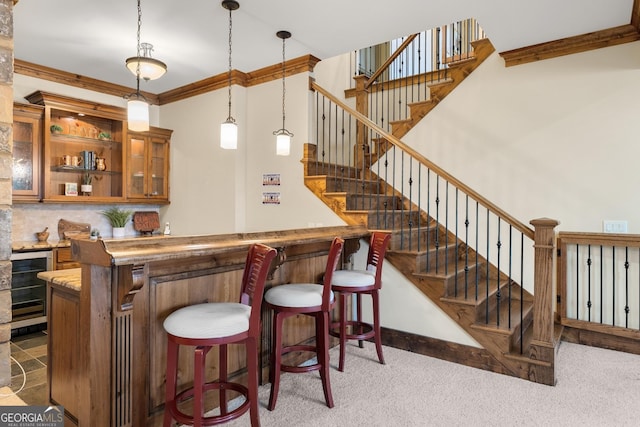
(570, 45)
(302, 64)
(605, 337)
(474, 357)
(294, 66)
(604, 239)
(76, 80)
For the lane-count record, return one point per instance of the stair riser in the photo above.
(441, 261)
(407, 240)
(373, 202)
(467, 281)
(392, 220)
(352, 186)
(331, 170)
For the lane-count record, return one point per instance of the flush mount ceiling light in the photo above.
(150, 68)
(229, 129)
(283, 136)
(137, 105)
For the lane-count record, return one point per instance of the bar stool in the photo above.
(312, 300)
(358, 283)
(219, 323)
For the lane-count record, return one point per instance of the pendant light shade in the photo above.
(229, 129)
(229, 135)
(283, 136)
(283, 143)
(137, 114)
(150, 68)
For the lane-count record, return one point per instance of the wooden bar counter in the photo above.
(107, 344)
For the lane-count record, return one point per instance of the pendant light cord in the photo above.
(229, 118)
(283, 84)
(138, 49)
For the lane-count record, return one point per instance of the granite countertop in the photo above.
(33, 245)
(69, 278)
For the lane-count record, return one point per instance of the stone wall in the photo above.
(6, 145)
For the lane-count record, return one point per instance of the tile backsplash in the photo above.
(31, 218)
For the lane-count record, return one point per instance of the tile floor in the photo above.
(30, 351)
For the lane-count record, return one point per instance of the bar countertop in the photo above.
(138, 250)
(69, 278)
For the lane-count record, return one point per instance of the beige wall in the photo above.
(220, 191)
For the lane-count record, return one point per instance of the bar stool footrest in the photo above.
(367, 329)
(183, 418)
(298, 369)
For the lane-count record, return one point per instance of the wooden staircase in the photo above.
(443, 269)
(491, 307)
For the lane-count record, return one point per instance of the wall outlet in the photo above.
(610, 226)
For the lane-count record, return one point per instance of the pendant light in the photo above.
(149, 68)
(137, 105)
(229, 129)
(283, 136)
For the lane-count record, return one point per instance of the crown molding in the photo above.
(582, 43)
(302, 64)
(294, 66)
(51, 74)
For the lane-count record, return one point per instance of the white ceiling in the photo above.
(94, 37)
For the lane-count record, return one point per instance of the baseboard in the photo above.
(445, 350)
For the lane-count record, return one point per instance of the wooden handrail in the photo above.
(524, 229)
(389, 60)
(603, 239)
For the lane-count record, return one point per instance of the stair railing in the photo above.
(391, 76)
(599, 283)
(452, 226)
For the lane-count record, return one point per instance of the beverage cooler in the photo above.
(28, 293)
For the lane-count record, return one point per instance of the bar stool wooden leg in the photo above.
(276, 359)
(376, 324)
(170, 386)
(322, 342)
(343, 329)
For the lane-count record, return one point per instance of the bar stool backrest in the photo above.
(332, 262)
(377, 250)
(254, 278)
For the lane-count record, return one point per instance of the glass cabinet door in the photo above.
(26, 153)
(148, 166)
(158, 152)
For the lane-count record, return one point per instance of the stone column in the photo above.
(6, 161)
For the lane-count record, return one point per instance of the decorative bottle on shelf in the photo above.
(167, 229)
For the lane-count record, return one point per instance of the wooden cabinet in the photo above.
(83, 139)
(62, 259)
(27, 145)
(75, 134)
(148, 165)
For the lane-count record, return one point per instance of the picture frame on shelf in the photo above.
(70, 189)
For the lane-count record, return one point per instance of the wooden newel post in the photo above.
(362, 106)
(542, 345)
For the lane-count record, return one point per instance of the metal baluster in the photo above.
(498, 290)
(626, 287)
(589, 303)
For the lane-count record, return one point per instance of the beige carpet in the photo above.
(595, 387)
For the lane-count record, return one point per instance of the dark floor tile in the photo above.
(29, 365)
(36, 395)
(31, 341)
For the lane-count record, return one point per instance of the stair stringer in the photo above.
(457, 72)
